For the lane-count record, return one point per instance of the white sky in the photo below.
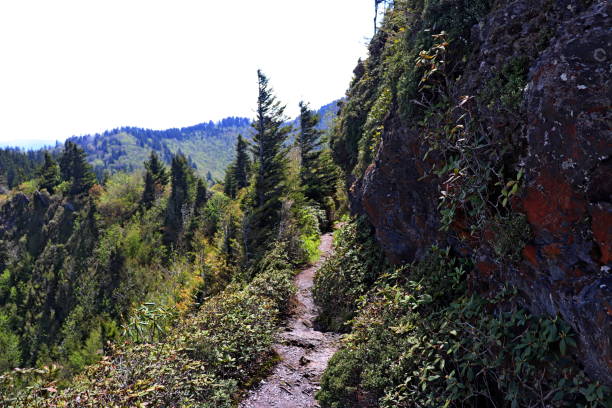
(71, 67)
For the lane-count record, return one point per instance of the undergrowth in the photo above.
(205, 361)
(347, 275)
(419, 340)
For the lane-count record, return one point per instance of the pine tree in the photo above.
(179, 201)
(157, 169)
(229, 183)
(148, 194)
(309, 142)
(49, 174)
(270, 161)
(156, 177)
(201, 198)
(241, 169)
(75, 169)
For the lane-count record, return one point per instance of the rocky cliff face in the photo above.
(536, 77)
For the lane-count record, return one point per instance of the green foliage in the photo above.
(204, 360)
(180, 201)
(270, 168)
(156, 178)
(309, 221)
(319, 175)
(347, 275)
(419, 341)
(508, 85)
(309, 143)
(17, 166)
(9, 344)
(49, 174)
(121, 197)
(511, 234)
(242, 165)
(229, 182)
(75, 169)
(156, 168)
(373, 129)
(389, 81)
(147, 324)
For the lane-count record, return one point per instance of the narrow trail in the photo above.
(304, 352)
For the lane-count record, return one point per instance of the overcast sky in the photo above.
(71, 67)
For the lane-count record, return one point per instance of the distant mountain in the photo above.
(209, 147)
(28, 144)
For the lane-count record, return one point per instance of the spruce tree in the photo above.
(270, 162)
(241, 169)
(156, 177)
(148, 194)
(201, 197)
(180, 200)
(66, 160)
(49, 174)
(229, 183)
(157, 169)
(309, 142)
(75, 169)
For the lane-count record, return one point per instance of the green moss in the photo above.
(389, 79)
(511, 234)
(508, 85)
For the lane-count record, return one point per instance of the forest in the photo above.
(440, 237)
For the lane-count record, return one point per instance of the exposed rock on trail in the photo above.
(304, 351)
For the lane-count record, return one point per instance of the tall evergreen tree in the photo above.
(271, 162)
(75, 169)
(156, 177)
(180, 200)
(157, 169)
(201, 197)
(309, 142)
(229, 183)
(241, 172)
(149, 192)
(49, 174)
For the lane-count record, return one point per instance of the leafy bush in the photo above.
(204, 360)
(419, 341)
(347, 275)
(121, 197)
(10, 356)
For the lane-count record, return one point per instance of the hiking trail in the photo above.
(303, 351)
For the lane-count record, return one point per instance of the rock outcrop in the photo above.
(561, 139)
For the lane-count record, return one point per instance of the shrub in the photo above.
(10, 356)
(202, 360)
(347, 275)
(419, 341)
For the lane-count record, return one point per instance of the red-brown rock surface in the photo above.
(566, 144)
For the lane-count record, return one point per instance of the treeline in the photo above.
(148, 257)
(17, 166)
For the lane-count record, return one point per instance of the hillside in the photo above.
(208, 146)
(441, 237)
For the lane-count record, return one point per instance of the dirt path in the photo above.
(304, 352)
